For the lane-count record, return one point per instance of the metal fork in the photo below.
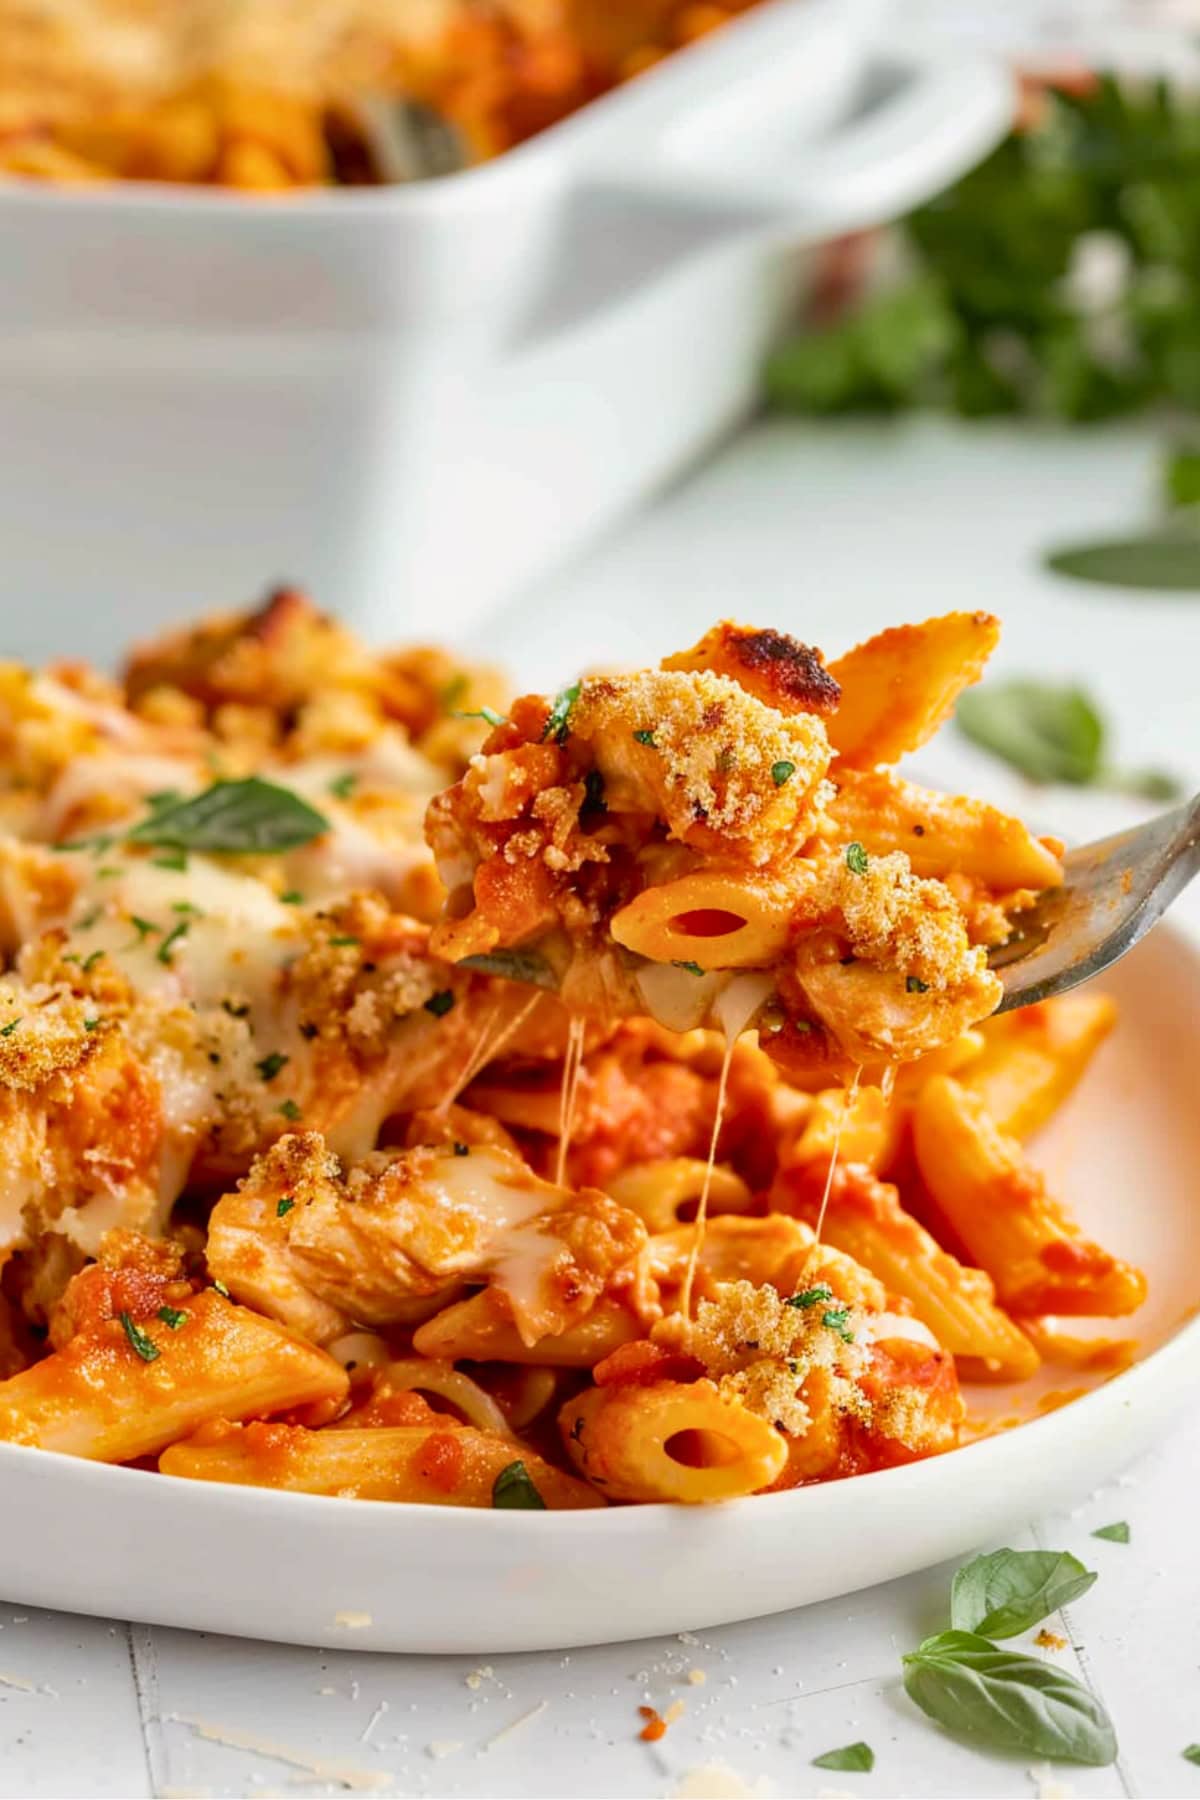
(1114, 891)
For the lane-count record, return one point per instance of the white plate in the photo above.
(126, 1544)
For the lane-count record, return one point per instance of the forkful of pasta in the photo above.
(723, 840)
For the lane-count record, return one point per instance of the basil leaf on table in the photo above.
(1009, 1591)
(1049, 733)
(1052, 734)
(239, 817)
(1166, 561)
(1008, 1701)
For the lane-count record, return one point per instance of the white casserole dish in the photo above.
(415, 399)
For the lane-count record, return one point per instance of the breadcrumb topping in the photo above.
(760, 1348)
(904, 921)
(701, 750)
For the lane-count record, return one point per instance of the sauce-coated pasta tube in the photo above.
(103, 1397)
(670, 1440)
(901, 685)
(440, 1465)
(997, 1202)
(864, 1218)
(942, 834)
(1033, 1058)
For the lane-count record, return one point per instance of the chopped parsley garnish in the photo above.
(1114, 1534)
(782, 772)
(171, 859)
(89, 919)
(7, 1030)
(813, 1296)
(558, 723)
(186, 906)
(344, 785)
(856, 859)
(462, 1149)
(289, 1109)
(341, 942)
(440, 1003)
(593, 792)
(513, 1490)
(453, 692)
(270, 1065)
(90, 960)
(1191, 1754)
(487, 713)
(838, 1321)
(221, 1289)
(107, 872)
(284, 1207)
(172, 1316)
(143, 927)
(693, 968)
(293, 897)
(851, 1759)
(915, 986)
(644, 737)
(236, 817)
(92, 1024)
(145, 1346)
(166, 949)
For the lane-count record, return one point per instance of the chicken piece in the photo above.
(390, 1241)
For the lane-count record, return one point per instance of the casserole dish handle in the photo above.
(938, 120)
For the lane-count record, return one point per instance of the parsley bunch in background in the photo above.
(1060, 278)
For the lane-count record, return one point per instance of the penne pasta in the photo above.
(434, 1465)
(865, 1220)
(1033, 1059)
(943, 834)
(998, 1205)
(125, 1390)
(670, 1441)
(899, 687)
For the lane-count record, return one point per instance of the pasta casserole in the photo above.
(408, 1094)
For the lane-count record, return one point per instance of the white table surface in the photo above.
(830, 533)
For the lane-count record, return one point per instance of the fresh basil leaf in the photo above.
(1008, 1701)
(235, 817)
(1114, 1534)
(850, 1759)
(1191, 1754)
(1166, 561)
(513, 1490)
(1009, 1591)
(1049, 733)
